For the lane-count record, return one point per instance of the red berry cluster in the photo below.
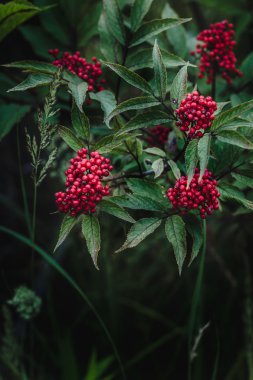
(195, 113)
(202, 195)
(84, 188)
(158, 135)
(216, 52)
(88, 71)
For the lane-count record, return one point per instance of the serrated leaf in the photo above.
(143, 58)
(91, 232)
(130, 77)
(154, 27)
(175, 169)
(220, 106)
(78, 91)
(138, 103)
(147, 119)
(179, 87)
(191, 159)
(204, 145)
(176, 234)
(32, 81)
(194, 227)
(80, 123)
(146, 188)
(160, 72)
(107, 101)
(115, 20)
(107, 41)
(70, 139)
(107, 205)
(139, 9)
(243, 179)
(229, 115)
(11, 114)
(234, 138)
(139, 202)
(228, 191)
(158, 167)
(67, 224)
(155, 152)
(34, 66)
(139, 231)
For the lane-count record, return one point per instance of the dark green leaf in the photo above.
(130, 77)
(228, 192)
(154, 27)
(78, 91)
(191, 159)
(160, 72)
(147, 188)
(66, 226)
(139, 202)
(204, 145)
(243, 179)
(107, 41)
(114, 20)
(34, 66)
(32, 81)
(108, 205)
(176, 234)
(141, 102)
(235, 138)
(139, 9)
(194, 227)
(144, 120)
(80, 123)
(91, 232)
(139, 231)
(70, 139)
(179, 87)
(229, 115)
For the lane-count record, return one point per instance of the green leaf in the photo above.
(160, 72)
(139, 10)
(179, 87)
(11, 114)
(70, 139)
(80, 123)
(32, 81)
(155, 152)
(114, 20)
(106, 99)
(175, 169)
(138, 103)
(176, 234)
(139, 202)
(243, 179)
(158, 167)
(108, 206)
(107, 41)
(235, 138)
(66, 226)
(144, 120)
(154, 27)
(91, 232)
(220, 106)
(194, 227)
(15, 13)
(33, 66)
(228, 192)
(191, 159)
(130, 77)
(229, 115)
(147, 188)
(78, 91)
(139, 231)
(143, 58)
(204, 145)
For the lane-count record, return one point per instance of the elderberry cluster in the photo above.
(216, 53)
(158, 135)
(195, 114)
(90, 72)
(202, 195)
(84, 188)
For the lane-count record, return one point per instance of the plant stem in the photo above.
(196, 298)
(213, 90)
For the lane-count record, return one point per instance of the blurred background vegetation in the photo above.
(138, 294)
